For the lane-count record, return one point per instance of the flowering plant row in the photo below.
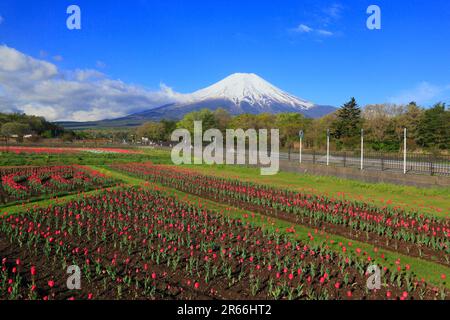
(139, 243)
(409, 232)
(22, 183)
(49, 150)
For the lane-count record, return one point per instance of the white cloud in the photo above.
(334, 12)
(325, 33)
(423, 93)
(321, 21)
(303, 28)
(37, 87)
(85, 75)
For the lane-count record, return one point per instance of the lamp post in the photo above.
(301, 134)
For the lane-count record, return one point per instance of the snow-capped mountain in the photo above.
(238, 93)
(248, 88)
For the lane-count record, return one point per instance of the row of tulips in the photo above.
(50, 150)
(385, 225)
(139, 243)
(22, 183)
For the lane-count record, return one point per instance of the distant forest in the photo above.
(22, 125)
(428, 128)
(383, 124)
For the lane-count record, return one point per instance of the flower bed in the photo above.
(140, 244)
(45, 150)
(407, 232)
(25, 183)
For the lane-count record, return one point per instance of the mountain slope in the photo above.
(238, 93)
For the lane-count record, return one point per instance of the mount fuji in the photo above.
(239, 93)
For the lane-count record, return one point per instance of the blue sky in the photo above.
(188, 45)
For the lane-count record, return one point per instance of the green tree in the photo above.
(433, 131)
(223, 119)
(205, 115)
(265, 121)
(289, 125)
(169, 127)
(10, 129)
(244, 121)
(315, 137)
(151, 130)
(410, 120)
(347, 126)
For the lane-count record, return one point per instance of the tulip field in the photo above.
(24, 183)
(43, 150)
(149, 232)
(411, 233)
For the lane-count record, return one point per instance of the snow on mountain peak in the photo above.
(251, 89)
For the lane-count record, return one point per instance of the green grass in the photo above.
(84, 158)
(434, 201)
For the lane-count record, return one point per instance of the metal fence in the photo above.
(416, 163)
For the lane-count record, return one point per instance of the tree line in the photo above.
(383, 125)
(20, 125)
(428, 129)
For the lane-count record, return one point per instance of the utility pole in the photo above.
(404, 151)
(362, 149)
(328, 147)
(301, 134)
